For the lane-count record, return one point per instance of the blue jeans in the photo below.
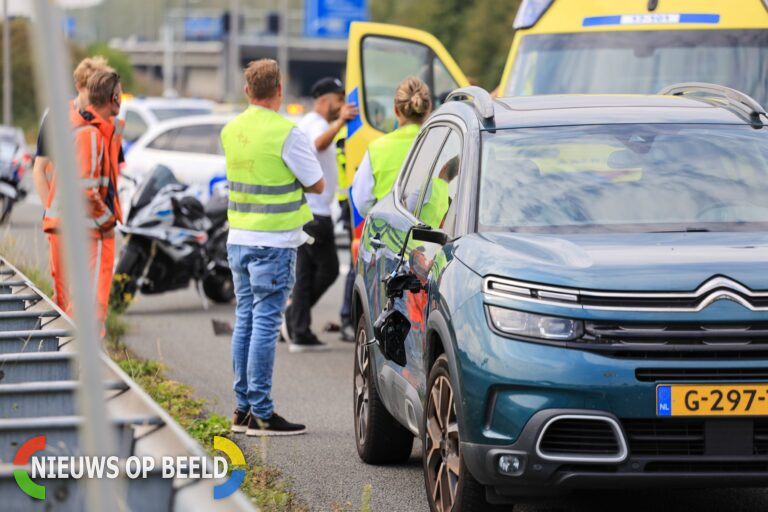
(263, 278)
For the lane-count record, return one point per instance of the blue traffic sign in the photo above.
(203, 28)
(331, 18)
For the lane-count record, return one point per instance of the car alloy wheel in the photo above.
(362, 390)
(442, 445)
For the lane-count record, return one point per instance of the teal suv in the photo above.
(570, 292)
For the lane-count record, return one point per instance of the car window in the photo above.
(420, 166)
(164, 141)
(164, 114)
(386, 62)
(439, 191)
(135, 126)
(443, 83)
(201, 138)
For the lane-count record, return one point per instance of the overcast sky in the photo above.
(24, 7)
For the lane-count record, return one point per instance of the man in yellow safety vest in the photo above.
(270, 166)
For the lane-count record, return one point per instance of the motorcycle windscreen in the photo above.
(160, 177)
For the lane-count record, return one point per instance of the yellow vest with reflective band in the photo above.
(264, 195)
(342, 189)
(387, 155)
(434, 210)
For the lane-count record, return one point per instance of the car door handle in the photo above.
(376, 242)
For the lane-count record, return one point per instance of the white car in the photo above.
(141, 114)
(189, 146)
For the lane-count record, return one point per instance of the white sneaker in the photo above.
(284, 334)
(313, 346)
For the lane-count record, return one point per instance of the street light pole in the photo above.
(7, 92)
(282, 45)
(52, 73)
(234, 51)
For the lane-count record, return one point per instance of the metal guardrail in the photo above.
(38, 382)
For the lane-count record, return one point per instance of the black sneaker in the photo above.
(276, 425)
(311, 345)
(240, 421)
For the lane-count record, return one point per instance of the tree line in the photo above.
(478, 33)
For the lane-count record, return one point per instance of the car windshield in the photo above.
(163, 114)
(625, 178)
(640, 62)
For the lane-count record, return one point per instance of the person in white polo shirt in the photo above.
(317, 264)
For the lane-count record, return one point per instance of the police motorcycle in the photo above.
(11, 173)
(170, 240)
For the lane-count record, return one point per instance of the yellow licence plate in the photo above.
(712, 400)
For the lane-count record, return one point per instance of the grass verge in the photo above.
(263, 485)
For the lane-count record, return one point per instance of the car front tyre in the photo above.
(450, 485)
(379, 437)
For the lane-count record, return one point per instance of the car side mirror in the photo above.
(433, 236)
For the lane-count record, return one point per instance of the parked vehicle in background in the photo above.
(170, 240)
(570, 292)
(189, 146)
(15, 160)
(142, 113)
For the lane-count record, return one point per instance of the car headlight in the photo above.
(531, 325)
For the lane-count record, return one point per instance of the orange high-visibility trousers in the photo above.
(101, 260)
(56, 261)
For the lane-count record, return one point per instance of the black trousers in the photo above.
(349, 282)
(317, 267)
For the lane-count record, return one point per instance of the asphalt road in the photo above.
(322, 466)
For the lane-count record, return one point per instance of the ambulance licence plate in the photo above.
(712, 400)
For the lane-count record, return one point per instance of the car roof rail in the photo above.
(479, 98)
(735, 99)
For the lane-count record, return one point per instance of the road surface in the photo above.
(316, 388)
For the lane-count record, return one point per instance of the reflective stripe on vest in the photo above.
(264, 195)
(387, 155)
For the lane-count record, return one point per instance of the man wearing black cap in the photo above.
(317, 264)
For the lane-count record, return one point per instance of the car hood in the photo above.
(631, 262)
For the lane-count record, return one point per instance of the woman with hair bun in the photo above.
(378, 170)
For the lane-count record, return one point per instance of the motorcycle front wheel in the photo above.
(130, 268)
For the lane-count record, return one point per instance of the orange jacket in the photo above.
(97, 144)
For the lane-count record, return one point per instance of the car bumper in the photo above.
(542, 474)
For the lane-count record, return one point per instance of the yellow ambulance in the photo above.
(569, 46)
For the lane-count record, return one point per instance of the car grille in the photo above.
(579, 437)
(676, 340)
(700, 374)
(761, 438)
(670, 437)
(680, 437)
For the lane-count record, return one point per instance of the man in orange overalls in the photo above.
(42, 173)
(97, 152)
